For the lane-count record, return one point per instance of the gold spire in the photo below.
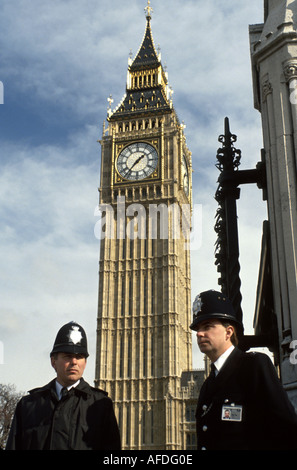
(148, 9)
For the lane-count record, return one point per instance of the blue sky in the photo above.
(59, 62)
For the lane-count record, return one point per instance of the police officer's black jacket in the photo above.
(245, 407)
(84, 420)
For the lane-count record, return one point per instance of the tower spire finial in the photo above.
(148, 10)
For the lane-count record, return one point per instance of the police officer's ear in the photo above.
(53, 361)
(229, 331)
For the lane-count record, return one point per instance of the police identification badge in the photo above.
(232, 413)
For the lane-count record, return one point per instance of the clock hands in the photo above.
(135, 163)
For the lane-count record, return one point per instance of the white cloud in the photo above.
(48, 252)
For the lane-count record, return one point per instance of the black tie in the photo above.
(212, 370)
(212, 375)
(64, 392)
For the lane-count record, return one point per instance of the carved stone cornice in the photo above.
(290, 69)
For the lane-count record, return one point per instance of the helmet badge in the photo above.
(75, 335)
(197, 306)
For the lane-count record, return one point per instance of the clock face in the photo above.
(137, 161)
(185, 174)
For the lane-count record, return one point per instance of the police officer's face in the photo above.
(69, 367)
(213, 338)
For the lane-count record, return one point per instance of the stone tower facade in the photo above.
(274, 66)
(144, 309)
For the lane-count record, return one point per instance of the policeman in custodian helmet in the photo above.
(213, 304)
(67, 413)
(242, 404)
(71, 338)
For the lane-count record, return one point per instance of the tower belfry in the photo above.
(144, 305)
(147, 81)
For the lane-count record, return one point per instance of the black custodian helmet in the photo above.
(212, 304)
(71, 338)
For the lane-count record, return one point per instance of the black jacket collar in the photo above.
(83, 388)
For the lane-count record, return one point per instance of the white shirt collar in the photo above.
(221, 360)
(59, 388)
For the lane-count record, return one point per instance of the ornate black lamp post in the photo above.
(227, 255)
(227, 246)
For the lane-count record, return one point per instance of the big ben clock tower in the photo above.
(144, 303)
